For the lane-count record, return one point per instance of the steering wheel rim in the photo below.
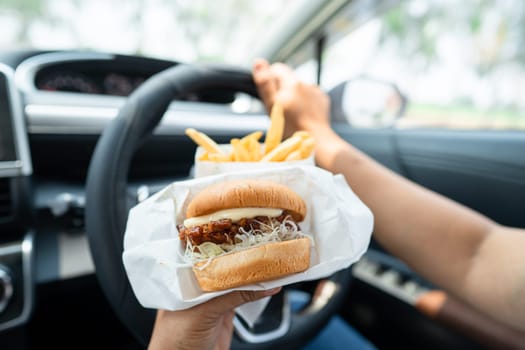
(107, 201)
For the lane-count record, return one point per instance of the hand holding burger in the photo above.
(243, 232)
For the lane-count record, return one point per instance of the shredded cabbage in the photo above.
(274, 231)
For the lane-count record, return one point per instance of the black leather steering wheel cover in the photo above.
(106, 194)
(108, 171)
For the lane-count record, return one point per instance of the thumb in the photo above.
(230, 301)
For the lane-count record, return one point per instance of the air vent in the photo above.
(6, 206)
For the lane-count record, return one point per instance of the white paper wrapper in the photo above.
(340, 224)
(207, 168)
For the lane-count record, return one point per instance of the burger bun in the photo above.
(246, 194)
(253, 265)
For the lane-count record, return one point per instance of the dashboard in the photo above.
(78, 80)
(100, 74)
(53, 108)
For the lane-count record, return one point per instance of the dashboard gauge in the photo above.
(68, 82)
(117, 84)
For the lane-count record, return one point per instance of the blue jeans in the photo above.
(337, 334)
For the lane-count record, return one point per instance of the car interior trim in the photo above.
(281, 44)
(388, 280)
(71, 247)
(54, 119)
(74, 258)
(325, 290)
(245, 334)
(461, 165)
(27, 70)
(7, 286)
(25, 248)
(21, 166)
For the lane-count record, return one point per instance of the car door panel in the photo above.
(484, 170)
(379, 144)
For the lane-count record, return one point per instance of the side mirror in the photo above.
(367, 102)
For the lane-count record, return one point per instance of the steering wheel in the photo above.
(107, 206)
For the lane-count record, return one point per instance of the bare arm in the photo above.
(464, 252)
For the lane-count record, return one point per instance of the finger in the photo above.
(232, 300)
(284, 76)
(265, 81)
(260, 63)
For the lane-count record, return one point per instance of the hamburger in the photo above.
(244, 231)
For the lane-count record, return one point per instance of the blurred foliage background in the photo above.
(461, 63)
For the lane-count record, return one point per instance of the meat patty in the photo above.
(224, 231)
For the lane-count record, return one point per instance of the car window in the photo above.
(304, 62)
(460, 63)
(188, 31)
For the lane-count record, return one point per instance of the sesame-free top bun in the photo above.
(246, 194)
(262, 263)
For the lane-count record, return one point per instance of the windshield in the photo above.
(184, 30)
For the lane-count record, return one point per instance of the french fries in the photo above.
(249, 148)
(307, 147)
(256, 135)
(295, 155)
(203, 140)
(280, 152)
(240, 153)
(276, 129)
